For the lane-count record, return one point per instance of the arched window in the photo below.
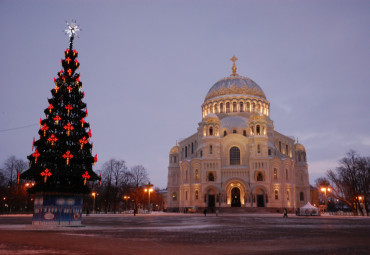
(275, 173)
(286, 149)
(258, 130)
(174, 159)
(301, 196)
(259, 177)
(241, 107)
(234, 156)
(276, 194)
(234, 131)
(196, 174)
(186, 151)
(215, 108)
(258, 148)
(252, 130)
(174, 196)
(248, 107)
(286, 174)
(192, 148)
(287, 195)
(234, 107)
(210, 149)
(196, 195)
(225, 133)
(211, 131)
(221, 108)
(227, 107)
(279, 146)
(245, 132)
(211, 177)
(253, 107)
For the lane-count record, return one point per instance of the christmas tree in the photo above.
(62, 159)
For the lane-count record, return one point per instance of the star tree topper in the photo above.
(72, 29)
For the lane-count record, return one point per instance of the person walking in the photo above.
(285, 213)
(205, 212)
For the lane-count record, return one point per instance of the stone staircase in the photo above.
(247, 210)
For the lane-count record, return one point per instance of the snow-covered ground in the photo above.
(174, 233)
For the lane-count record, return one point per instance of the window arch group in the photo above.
(236, 105)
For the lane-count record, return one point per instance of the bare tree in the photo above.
(11, 166)
(113, 171)
(139, 175)
(115, 176)
(139, 179)
(350, 181)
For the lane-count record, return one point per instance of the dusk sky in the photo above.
(146, 67)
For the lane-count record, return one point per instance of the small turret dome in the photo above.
(174, 150)
(211, 117)
(299, 147)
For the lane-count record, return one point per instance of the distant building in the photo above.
(236, 158)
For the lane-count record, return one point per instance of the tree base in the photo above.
(60, 209)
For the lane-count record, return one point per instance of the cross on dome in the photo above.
(234, 59)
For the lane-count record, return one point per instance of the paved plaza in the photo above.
(189, 234)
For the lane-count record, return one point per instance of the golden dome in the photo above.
(299, 147)
(211, 118)
(174, 150)
(235, 84)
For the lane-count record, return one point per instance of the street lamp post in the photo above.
(324, 190)
(94, 195)
(126, 198)
(148, 188)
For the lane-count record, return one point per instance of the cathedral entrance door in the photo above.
(260, 201)
(235, 197)
(211, 201)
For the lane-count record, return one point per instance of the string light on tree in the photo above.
(95, 159)
(69, 108)
(82, 122)
(83, 141)
(46, 174)
(68, 155)
(51, 107)
(52, 139)
(86, 176)
(68, 127)
(36, 154)
(45, 128)
(57, 119)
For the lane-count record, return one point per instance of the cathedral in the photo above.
(236, 158)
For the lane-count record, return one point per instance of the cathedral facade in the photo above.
(236, 158)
